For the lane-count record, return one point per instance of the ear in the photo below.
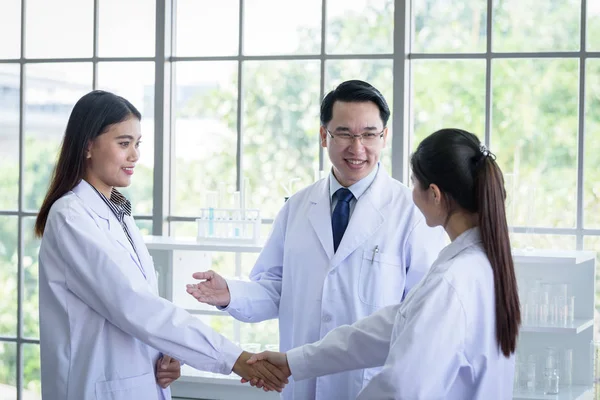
(88, 150)
(385, 134)
(323, 135)
(436, 194)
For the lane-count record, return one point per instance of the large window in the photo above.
(48, 59)
(230, 92)
(523, 75)
(245, 110)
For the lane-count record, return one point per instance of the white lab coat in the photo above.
(299, 279)
(440, 343)
(102, 323)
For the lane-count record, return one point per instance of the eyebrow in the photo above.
(130, 137)
(346, 129)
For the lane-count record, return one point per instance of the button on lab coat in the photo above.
(440, 343)
(299, 279)
(102, 323)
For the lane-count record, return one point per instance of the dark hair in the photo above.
(354, 91)
(467, 173)
(92, 115)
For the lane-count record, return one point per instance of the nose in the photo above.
(134, 154)
(357, 146)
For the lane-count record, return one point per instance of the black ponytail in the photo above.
(467, 174)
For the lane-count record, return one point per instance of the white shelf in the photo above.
(579, 325)
(187, 243)
(552, 257)
(575, 392)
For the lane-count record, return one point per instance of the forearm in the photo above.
(253, 301)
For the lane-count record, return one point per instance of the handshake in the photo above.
(268, 370)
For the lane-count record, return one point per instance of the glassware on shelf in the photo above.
(566, 366)
(530, 381)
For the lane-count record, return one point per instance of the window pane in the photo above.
(534, 135)
(183, 229)
(447, 94)
(8, 369)
(30, 283)
(593, 25)
(517, 25)
(197, 24)
(10, 27)
(260, 336)
(9, 136)
(205, 108)
(378, 73)
(51, 92)
(360, 26)
(53, 33)
(185, 263)
(543, 242)
(295, 30)
(280, 129)
(441, 26)
(126, 28)
(248, 261)
(135, 82)
(8, 277)
(32, 381)
(145, 226)
(591, 176)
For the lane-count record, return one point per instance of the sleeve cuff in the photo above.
(298, 364)
(235, 287)
(229, 355)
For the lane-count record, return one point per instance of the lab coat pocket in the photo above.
(382, 278)
(137, 387)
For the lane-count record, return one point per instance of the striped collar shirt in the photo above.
(120, 207)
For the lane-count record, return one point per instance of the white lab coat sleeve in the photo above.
(94, 273)
(427, 350)
(258, 300)
(421, 250)
(364, 344)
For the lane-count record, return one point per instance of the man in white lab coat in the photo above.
(340, 249)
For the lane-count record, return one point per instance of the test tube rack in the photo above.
(234, 225)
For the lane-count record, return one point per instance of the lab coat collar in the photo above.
(470, 237)
(366, 218)
(91, 199)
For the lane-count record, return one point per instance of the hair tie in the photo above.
(486, 153)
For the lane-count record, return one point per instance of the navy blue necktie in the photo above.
(341, 215)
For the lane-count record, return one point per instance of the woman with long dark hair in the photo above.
(103, 328)
(455, 334)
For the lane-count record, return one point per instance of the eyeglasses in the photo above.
(346, 139)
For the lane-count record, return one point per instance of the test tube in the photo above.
(566, 377)
(570, 309)
(236, 214)
(211, 202)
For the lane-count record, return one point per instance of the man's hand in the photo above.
(168, 370)
(274, 359)
(213, 290)
(261, 373)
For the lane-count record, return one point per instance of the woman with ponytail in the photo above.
(454, 335)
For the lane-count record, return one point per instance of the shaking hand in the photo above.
(262, 373)
(275, 361)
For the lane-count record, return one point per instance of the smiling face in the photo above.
(353, 161)
(111, 157)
